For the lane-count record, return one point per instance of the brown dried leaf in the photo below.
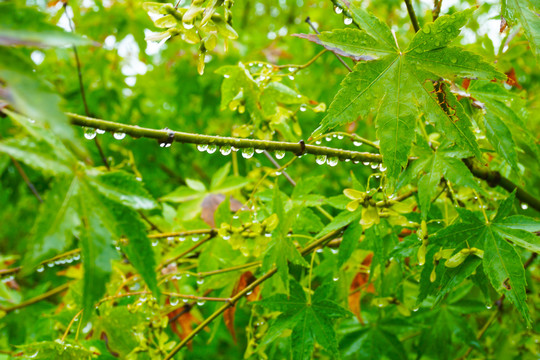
(243, 282)
(358, 284)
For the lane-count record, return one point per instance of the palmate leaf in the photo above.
(397, 87)
(431, 166)
(501, 263)
(309, 319)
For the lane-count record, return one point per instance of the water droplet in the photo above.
(173, 300)
(100, 131)
(303, 107)
(225, 150)
(77, 257)
(201, 302)
(319, 251)
(415, 309)
(292, 69)
(41, 268)
(338, 10)
(119, 135)
(211, 149)
(155, 243)
(524, 206)
(235, 216)
(335, 278)
(200, 281)
(453, 60)
(51, 264)
(340, 137)
(259, 151)
(226, 237)
(226, 76)
(318, 142)
(195, 238)
(382, 167)
(278, 173)
(426, 29)
(347, 21)
(279, 154)
(202, 147)
(188, 26)
(247, 153)
(374, 166)
(181, 239)
(268, 235)
(320, 159)
(291, 77)
(90, 133)
(489, 306)
(328, 138)
(357, 143)
(332, 161)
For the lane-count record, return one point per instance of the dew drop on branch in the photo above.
(524, 206)
(247, 153)
(202, 147)
(259, 151)
(332, 161)
(188, 26)
(211, 149)
(357, 143)
(225, 150)
(173, 300)
(320, 159)
(90, 133)
(119, 135)
(41, 268)
(347, 21)
(201, 302)
(279, 154)
(338, 10)
(303, 107)
(100, 131)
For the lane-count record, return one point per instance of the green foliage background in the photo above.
(446, 270)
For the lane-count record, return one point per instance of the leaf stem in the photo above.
(31, 186)
(412, 15)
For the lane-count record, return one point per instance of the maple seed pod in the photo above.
(457, 259)
(433, 276)
(422, 254)
(423, 226)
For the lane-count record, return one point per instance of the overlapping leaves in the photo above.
(398, 87)
(501, 263)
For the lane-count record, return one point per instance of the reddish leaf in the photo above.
(244, 281)
(211, 203)
(182, 317)
(357, 288)
(512, 78)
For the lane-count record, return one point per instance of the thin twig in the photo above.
(308, 21)
(81, 87)
(276, 164)
(436, 8)
(38, 298)
(31, 186)
(412, 15)
(316, 244)
(493, 178)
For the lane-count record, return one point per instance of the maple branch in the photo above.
(239, 143)
(316, 244)
(412, 15)
(493, 177)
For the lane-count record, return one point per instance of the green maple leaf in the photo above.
(398, 87)
(526, 12)
(310, 319)
(431, 165)
(501, 263)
